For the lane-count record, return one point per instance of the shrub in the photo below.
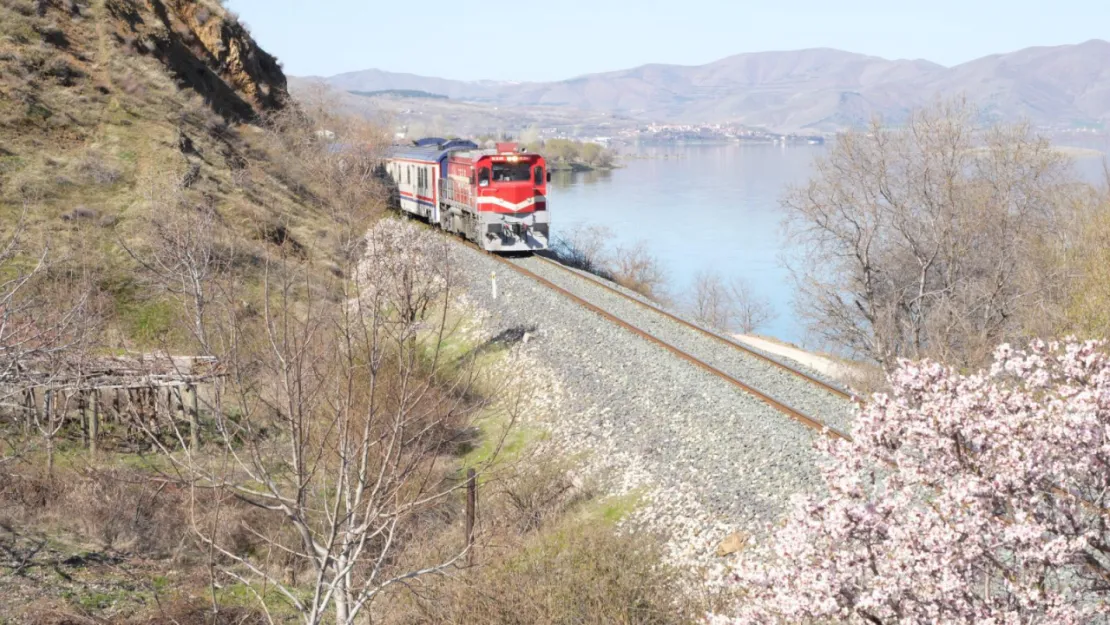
(545, 554)
(80, 213)
(635, 268)
(731, 306)
(580, 572)
(584, 247)
(97, 169)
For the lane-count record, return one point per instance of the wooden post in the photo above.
(32, 411)
(48, 412)
(94, 421)
(179, 410)
(194, 416)
(471, 510)
(83, 414)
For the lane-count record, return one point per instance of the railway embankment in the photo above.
(709, 459)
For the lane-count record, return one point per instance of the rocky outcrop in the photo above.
(207, 50)
(250, 69)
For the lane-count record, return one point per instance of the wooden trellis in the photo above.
(147, 387)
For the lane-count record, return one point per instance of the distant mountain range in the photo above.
(816, 90)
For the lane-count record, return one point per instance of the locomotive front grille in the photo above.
(507, 229)
(514, 232)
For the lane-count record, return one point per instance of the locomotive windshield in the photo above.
(512, 172)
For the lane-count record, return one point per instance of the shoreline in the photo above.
(578, 168)
(838, 370)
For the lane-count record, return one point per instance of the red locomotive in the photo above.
(496, 198)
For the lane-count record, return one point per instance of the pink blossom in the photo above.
(975, 498)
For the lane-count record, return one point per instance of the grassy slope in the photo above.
(92, 119)
(94, 114)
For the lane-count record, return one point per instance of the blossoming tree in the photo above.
(961, 499)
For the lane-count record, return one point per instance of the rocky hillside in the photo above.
(119, 115)
(204, 51)
(818, 89)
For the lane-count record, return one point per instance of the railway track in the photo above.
(835, 390)
(714, 437)
(712, 353)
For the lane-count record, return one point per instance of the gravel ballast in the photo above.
(767, 378)
(710, 458)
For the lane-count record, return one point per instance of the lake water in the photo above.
(698, 208)
(704, 207)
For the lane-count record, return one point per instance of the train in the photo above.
(496, 197)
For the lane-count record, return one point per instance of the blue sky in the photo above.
(540, 40)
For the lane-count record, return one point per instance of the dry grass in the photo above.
(90, 120)
(547, 554)
(115, 544)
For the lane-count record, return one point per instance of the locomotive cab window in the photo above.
(512, 172)
(539, 175)
(483, 177)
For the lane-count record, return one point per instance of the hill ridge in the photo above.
(821, 88)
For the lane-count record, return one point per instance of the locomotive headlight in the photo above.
(514, 159)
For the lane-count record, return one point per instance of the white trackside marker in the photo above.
(493, 282)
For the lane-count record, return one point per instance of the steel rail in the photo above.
(797, 415)
(839, 392)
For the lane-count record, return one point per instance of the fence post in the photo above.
(194, 416)
(83, 414)
(32, 411)
(471, 508)
(48, 410)
(94, 420)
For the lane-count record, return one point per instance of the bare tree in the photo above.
(182, 256)
(587, 247)
(46, 331)
(339, 157)
(584, 247)
(917, 240)
(752, 311)
(709, 304)
(335, 419)
(731, 306)
(635, 268)
(1089, 261)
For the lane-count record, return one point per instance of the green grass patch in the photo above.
(240, 595)
(159, 583)
(457, 352)
(13, 163)
(498, 445)
(149, 322)
(93, 601)
(614, 509)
